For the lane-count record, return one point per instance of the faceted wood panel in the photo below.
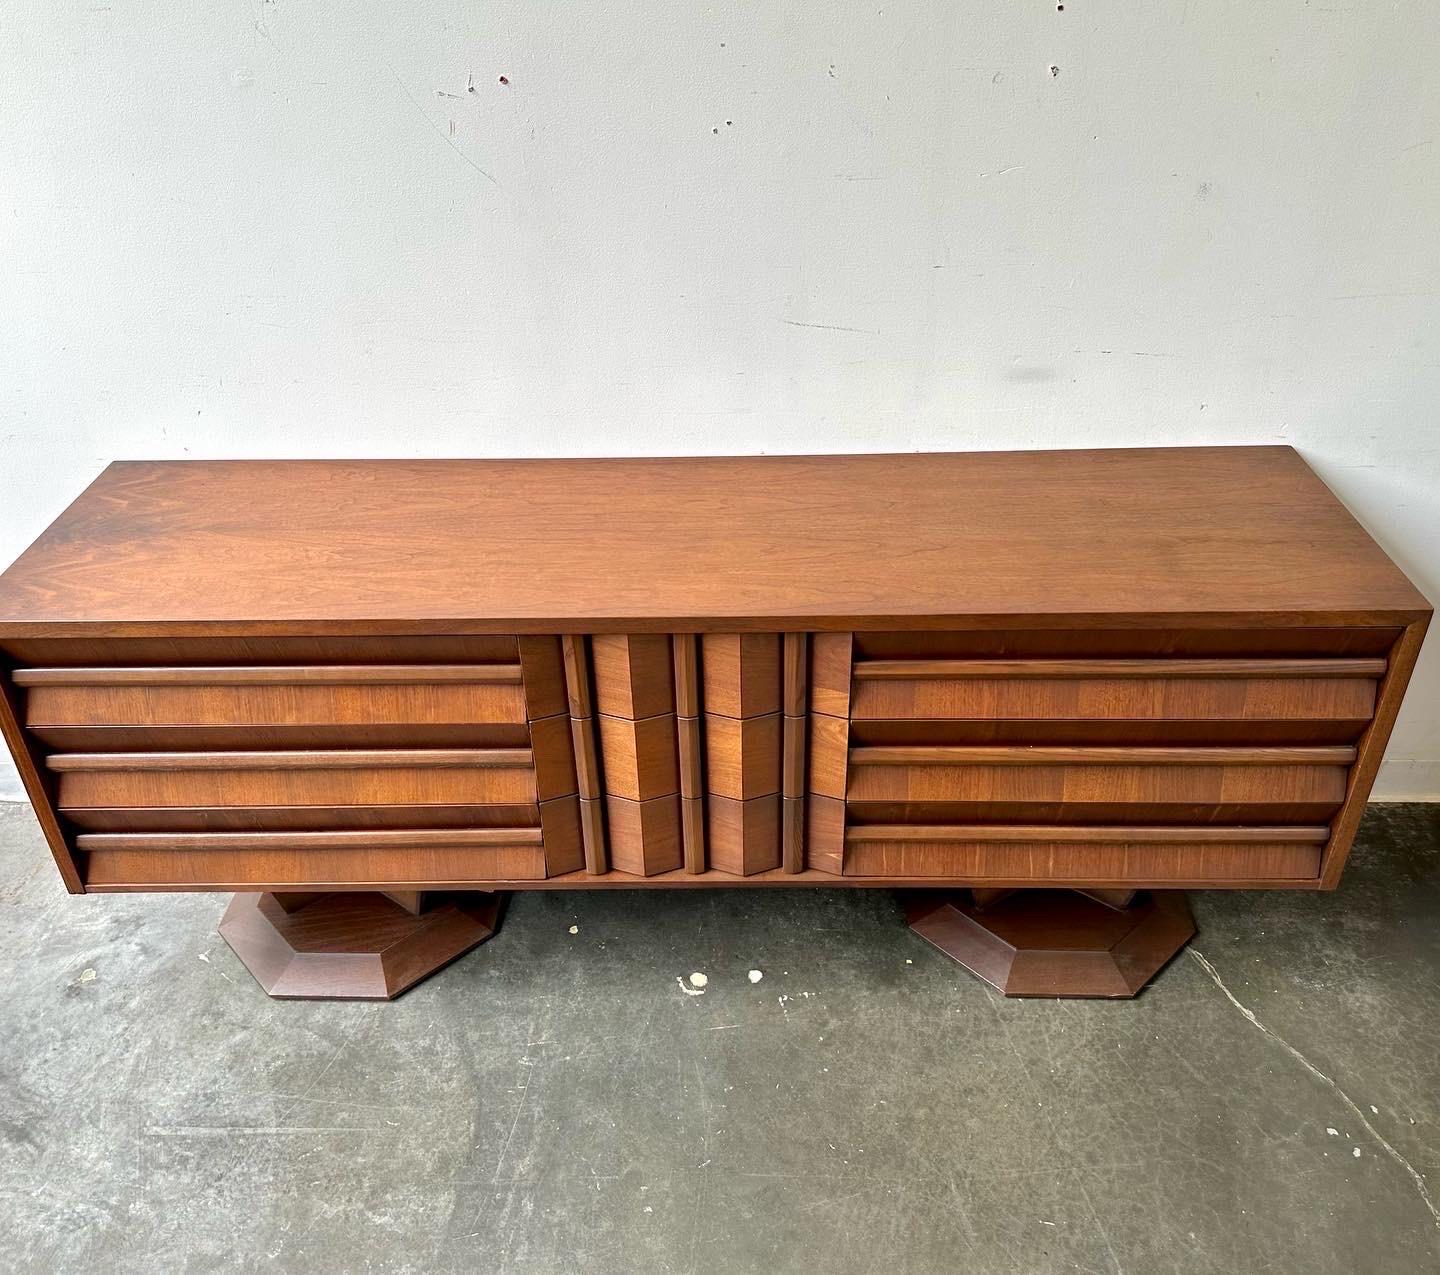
(744, 835)
(639, 756)
(632, 674)
(742, 755)
(644, 836)
(742, 673)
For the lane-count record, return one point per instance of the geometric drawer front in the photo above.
(1247, 776)
(342, 778)
(234, 860)
(639, 756)
(1178, 690)
(1154, 758)
(1116, 854)
(743, 755)
(264, 696)
(741, 673)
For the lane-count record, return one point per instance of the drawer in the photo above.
(340, 778)
(274, 695)
(298, 818)
(1319, 690)
(1019, 775)
(214, 860)
(1092, 855)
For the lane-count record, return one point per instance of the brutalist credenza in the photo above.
(370, 695)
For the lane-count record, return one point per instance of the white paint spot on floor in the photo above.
(698, 980)
(1357, 1153)
(756, 976)
(687, 989)
(1333, 1132)
(574, 929)
(1374, 1109)
(87, 976)
(205, 956)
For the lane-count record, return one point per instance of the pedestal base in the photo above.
(1056, 942)
(359, 946)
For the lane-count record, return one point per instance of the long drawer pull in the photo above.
(1101, 668)
(1080, 833)
(358, 839)
(319, 759)
(1080, 755)
(276, 675)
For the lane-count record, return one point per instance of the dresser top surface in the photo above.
(750, 542)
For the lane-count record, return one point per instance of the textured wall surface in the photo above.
(439, 228)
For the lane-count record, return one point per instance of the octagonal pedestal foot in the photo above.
(1102, 943)
(353, 946)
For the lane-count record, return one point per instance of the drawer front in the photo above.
(340, 778)
(303, 763)
(298, 818)
(260, 695)
(1141, 777)
(1184, 690)
(1085, 854)
(1107, 755)
(237, 859)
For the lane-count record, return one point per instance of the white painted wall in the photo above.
(293, 229)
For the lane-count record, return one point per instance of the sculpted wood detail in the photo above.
(740, 672)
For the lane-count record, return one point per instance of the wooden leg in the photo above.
(1057, 942)
(353, 946)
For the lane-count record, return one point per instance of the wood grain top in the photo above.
(720, 544)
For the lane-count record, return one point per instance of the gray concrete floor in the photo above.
(555, 1102)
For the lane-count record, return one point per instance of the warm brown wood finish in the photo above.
(562, 835)
(40, 783)
(1046, 943)
(1172, 698)
(742, 755)
(543, 674)
(795, 700)
(272, 675)
(685, 651)
(580, 699)
(640, 758)
(379, 839)
(824, 834)
(1100, 670)
(632, 674)
(744, 835)
(594, 837)
(793, 543)
(644, 835)
(742, 673)
(291, 704)
(1371, 751)
(552, 747)
(353, 947)
(468, 867)
(906, 670)
(830, 655)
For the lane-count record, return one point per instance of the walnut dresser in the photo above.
(1042, 692)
